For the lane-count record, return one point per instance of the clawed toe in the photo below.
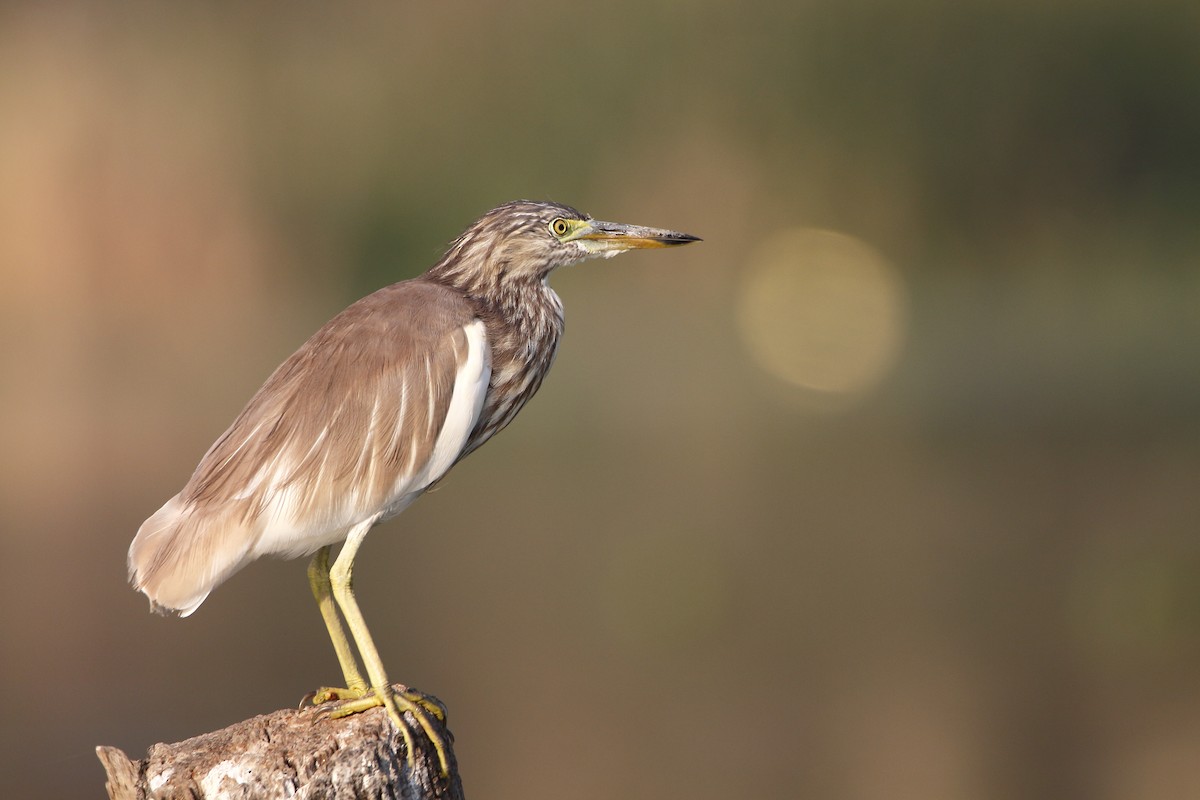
(332, 694)
(396, 702)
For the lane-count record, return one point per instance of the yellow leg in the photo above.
(318, 579)
(342, 581)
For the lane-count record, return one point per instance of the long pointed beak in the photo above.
(610, 238)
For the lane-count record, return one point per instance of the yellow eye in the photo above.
(559, 227)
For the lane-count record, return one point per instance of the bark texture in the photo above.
(288, 754)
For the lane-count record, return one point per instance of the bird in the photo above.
(368, 414)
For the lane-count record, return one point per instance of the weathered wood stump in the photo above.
(289, 753)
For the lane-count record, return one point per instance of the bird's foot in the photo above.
(420, 706)
(361, 700)
(330, 694)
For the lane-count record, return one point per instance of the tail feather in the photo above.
(180, 554)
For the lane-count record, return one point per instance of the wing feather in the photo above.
(369, 412)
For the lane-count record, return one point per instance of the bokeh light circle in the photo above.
(821, 310)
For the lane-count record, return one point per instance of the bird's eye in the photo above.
(559, 227)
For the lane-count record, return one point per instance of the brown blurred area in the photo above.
(889, 488)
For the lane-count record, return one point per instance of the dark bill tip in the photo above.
(674, 237)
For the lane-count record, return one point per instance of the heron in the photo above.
(370, 413)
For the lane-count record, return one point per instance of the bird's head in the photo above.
(527, 240)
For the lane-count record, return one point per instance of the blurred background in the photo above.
(889, 488)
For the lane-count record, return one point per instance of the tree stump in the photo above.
(289, 754)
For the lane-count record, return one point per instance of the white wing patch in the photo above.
(466, 403)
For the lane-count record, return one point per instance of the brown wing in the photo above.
(343, 430)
